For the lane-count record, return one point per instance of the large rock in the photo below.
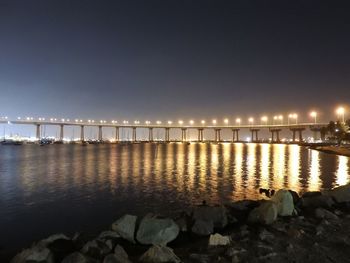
(36, 254)
(284, 202)
(216, 214)
(125, 227)
(112, 258)
(316, 200)
(325, 214)
(219, 240)
(96, 249)
(340, 194)
(75, 257)
(203, 228)
(157, 231)
(53, 238)
(159, 254)
(266, 213)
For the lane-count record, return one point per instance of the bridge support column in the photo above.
(293, 131)
(82, 133)
(150, 134)
(38, 138)
(61, 132)
(116, 134)
(167, 134)
(100, 136)
(255, 136)
(200, 135)
(183, 134)
(275, 132)
(217, 135)
(134, 134)
(300, 135)
(278, 136)
(235, 136)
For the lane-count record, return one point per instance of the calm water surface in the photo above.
(68, 188)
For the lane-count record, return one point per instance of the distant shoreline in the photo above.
(338, 150)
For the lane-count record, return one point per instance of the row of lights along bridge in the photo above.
(264, 120)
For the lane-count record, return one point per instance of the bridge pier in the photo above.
(298, 131)
(277, 133)
(38, 138)
(254, 132)
(200, 135)
(235, 136)
(184, 134)
(61, 132)
(134, 134)
(217, 135)
(150, 134)
(167, 134)
(100, 135)
(117, 134)
(82, 133)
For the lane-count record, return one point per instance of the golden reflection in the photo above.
(265, 165)
(314, 182)
(278, 174)
(238, 168)
(251, 166)
(294, 168)
(342, 173)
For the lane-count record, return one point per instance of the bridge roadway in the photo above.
(275, 129)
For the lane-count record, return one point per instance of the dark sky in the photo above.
(172, 59)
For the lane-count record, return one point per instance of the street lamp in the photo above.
(170, 122)
(264, 119)
(191, 122)
(181, 122)
(251, 120)
(214, 121)
(238, 121)
(158, 122)
(280, 118)
(313, 114)
(203, 122)
(341, 112)
(226, 121)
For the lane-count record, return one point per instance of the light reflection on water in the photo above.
(59, 186)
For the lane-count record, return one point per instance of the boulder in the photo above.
(125, 227)
(317, 200)
(75, 257)
(216, 214)
(96, 249)
(284, 202)
(109, 235)
(157, 231)
(244, 205)
(112, 258)
(120, 252)
(203, 228)
(340, 194)
(36, 254)
(45, 242)
(266, 213)
(219, 240)
(295, 196)
(325, 214)
(159, 254)
(43, 255)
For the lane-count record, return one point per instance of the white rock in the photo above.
(284, 201)
(156, 231)
(219, 240)
(266, 213)
(125, 227)
(159, 254)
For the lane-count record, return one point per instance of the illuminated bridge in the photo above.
(296, 129)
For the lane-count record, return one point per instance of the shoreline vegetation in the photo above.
(333, 149)
(285, 227)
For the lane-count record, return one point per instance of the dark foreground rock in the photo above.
(287, 228)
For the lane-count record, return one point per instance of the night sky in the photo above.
(173, 59)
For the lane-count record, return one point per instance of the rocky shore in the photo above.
(286, 227)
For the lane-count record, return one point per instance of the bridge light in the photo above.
(203, 122)
(238, 121)
(341, 113)
(62, 120)
(28, 118)
(251, 120)
(158, 122)
(226, 121)
(181, 122)
(147, 122)
(264, 119)
(170, 122)
(313, 114)
(191, 122)
(214, 121)
(18, 118)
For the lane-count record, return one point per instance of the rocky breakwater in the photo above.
(314, 227)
